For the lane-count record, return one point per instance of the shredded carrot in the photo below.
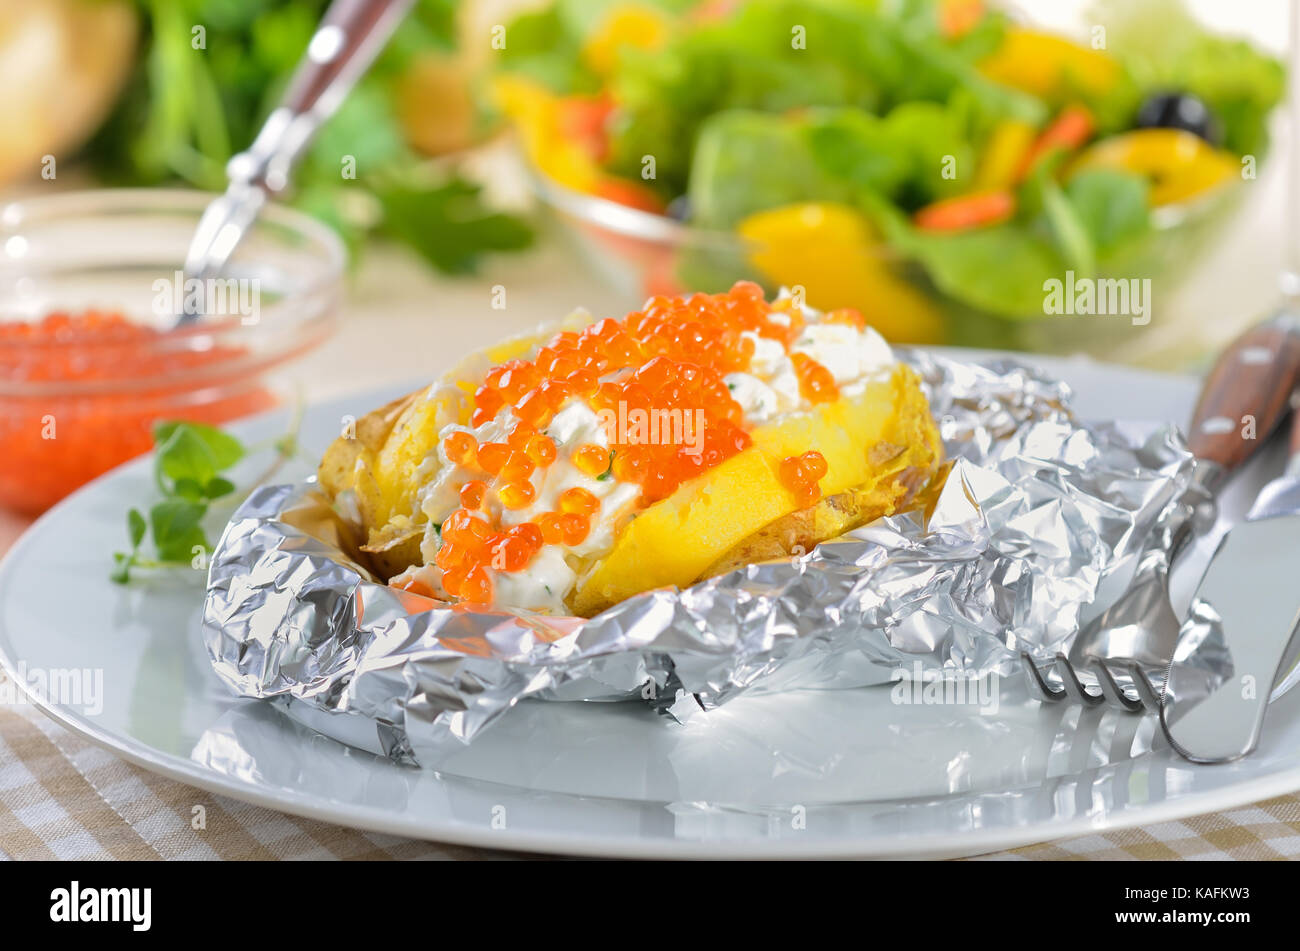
(1071, 129)
(965, 212)
(959, 17)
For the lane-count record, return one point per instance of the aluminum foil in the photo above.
(1039, 514)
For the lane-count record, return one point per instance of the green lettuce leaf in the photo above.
(779, 55)
(1111, 206)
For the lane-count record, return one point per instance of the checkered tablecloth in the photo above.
(62, 797)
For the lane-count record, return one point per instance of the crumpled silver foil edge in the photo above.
(1038, 511)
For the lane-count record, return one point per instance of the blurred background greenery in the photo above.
(149, 92)
(1111, 155)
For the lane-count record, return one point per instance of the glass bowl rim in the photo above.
(325, 246)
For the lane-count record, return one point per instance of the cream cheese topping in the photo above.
(770, 389)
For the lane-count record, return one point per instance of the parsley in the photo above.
(189, 459)
(448, 225)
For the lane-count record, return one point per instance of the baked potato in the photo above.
(522, 478)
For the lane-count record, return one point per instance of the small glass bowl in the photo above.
(75, 401)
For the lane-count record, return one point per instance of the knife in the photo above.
(1246, 612)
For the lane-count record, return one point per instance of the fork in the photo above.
(1135, 637)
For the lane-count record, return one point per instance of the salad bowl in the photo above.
(954, 173)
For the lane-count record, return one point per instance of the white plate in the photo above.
(846, 773)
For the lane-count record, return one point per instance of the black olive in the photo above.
(1179, 110)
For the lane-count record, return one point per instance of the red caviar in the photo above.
(670, 357)
(529, 534)
(492, 456)
(511, 553)
(416, 586)
(846, 315)
(591, 459)
(518, 468)
(476, 586)
(677, 351)
(800, 474)
(74, 404)
(516, 495)
(816, 384)
(472, 493)
(574, 528)
(580, 501)
(461, 448)
(549, 525)
(541, 450)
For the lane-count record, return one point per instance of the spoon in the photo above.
(349, 37)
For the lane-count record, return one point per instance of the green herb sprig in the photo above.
(190, 462)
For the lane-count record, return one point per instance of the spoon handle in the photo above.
(349, 37)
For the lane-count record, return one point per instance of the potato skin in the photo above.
(804, 529)
(347, 456)
(390, 556)
(337, 470)
(347, 476)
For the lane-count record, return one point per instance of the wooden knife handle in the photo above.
(1252, 379)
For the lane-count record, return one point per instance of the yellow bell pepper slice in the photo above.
(832, 251)
(1179, 164)
(623, 26)
(1049, 66)
(1004, 155)
(535, 112)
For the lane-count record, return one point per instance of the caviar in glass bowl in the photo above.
(91, 356)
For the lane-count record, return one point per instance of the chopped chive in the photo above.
(609, 471)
